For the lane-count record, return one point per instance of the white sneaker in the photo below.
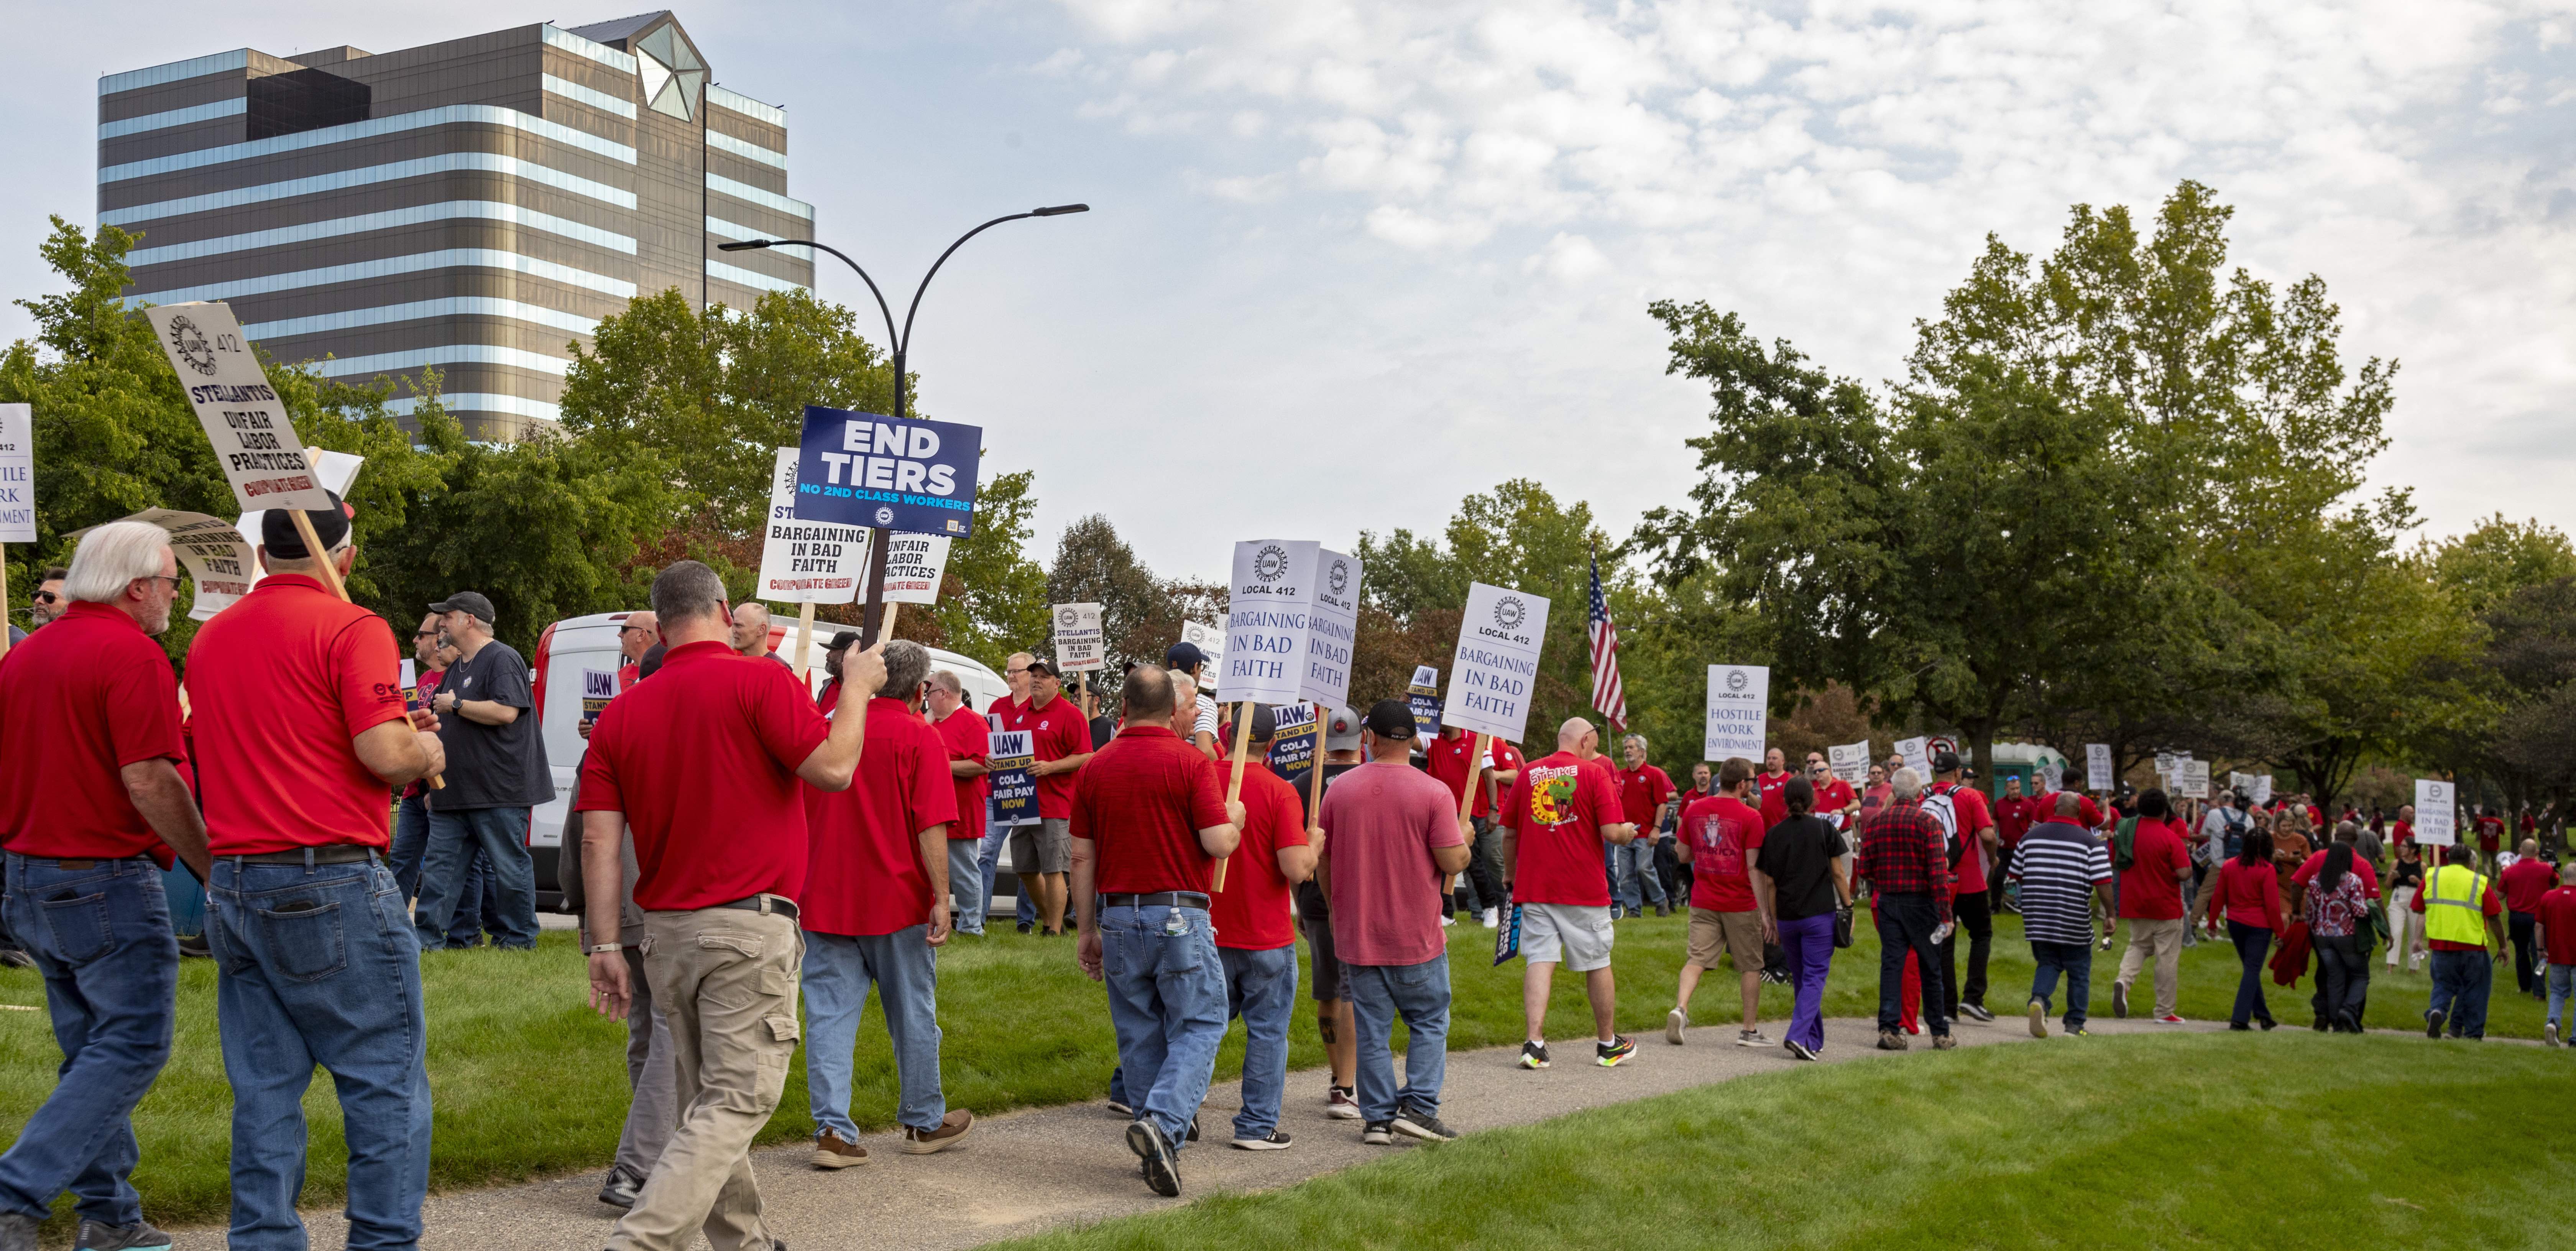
(1447, 920)
(1675, 1022)
(1493, 918)
(1751, 1038)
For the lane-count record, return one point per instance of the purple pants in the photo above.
(1808, 943)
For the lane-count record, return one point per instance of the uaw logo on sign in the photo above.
(1494, 671)
(189, 344)
(1067, 617)
(1509, 612)
(1339, 576)
(1271, 563)
(1736, 681)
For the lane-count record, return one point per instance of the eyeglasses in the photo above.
(47, 597)
(163, 577)
(424, 634)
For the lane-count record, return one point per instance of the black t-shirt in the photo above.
(492, 766)
(1798, 854)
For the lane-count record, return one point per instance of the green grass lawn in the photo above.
(2194, 1140)
(529, 1081)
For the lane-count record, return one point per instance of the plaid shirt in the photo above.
(1903, 851)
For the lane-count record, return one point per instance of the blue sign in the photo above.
(1010, 754)
(887, 473)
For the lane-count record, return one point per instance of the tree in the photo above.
(994, 599)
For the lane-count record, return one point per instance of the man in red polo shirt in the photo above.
(1645, 796)
(2525, 881)
(1061, 740)
(703, 764)
(2013, 818)
(299, 731)
(92, 807)
(1255, 938)
(875, 909)
(2151, 902)
(1768, 783)
(968, 739)
(1560, 814)
(1149, 822)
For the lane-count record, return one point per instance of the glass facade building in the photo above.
(475, 206)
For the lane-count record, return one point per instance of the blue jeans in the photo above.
(318, 964)
(1420, 994)
(2252, 942)
(2562, 987)
(2460, 982)
(101, 937)
(501, 834)
(2075, 960)
(1167, 1003)
(965, 885)
(1905, 923)
(1631, 870)
(411, 838)
(1261, 987)
(187, 899)
(988, 856)
(904, 967)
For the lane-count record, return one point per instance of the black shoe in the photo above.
(620, 1189)
(2433, 1023)
(16, 958)
(2119, 999)
(1976, 1012)
(1154, 1152)
(2268, 1024)
(1533, 1055)
(1194, 1129)
(1378, 1133)
(139, 1236)
(1416, 1123)
(195, 945)
(1024, 927)
(2239, 1027)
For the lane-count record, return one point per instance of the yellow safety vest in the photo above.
(2453, 911)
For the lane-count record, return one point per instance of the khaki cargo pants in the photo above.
(725, 980)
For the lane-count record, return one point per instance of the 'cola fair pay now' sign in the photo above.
(887, 473)
(1494, 672)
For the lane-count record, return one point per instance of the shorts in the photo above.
(1713, 933)
(1575, 935)
(1327, 981)
(1046, 847)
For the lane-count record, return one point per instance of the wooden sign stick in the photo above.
(887, 631)
(1234, 788)
(1475, 779)
(804, 637)
(1315, 780)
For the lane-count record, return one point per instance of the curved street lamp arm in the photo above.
(906, 340)
(892, 344)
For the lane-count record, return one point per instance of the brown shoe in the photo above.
(1943, 1042)
(1890, 1040)
(952, 1130)
(831, 1150)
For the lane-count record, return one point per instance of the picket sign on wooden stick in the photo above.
(1475, 779)
(1234, 787)
(804, 637)
(892, 610)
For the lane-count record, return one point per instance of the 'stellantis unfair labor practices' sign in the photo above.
(17, 473)
(2437, 811)
(914, 565)
(887, 473)
(807, 562)
(1266, 622)
(1423, 694)
(1078, 638)
(244, 419)
(1739, 703)
(1332, 629)
(1211, 643)
(1493, 674)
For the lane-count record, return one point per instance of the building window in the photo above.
(672, 73)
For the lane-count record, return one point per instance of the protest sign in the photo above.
(1332, 629)
(914, 565)
(1739, 712)
(1917, 755)
(1211, 643)
(887, 473)
(411, 685)
(802, 561)
(2050, 772)
(1266, 622)
(253, 438)
(1011, 755)
(1850, 762)
(2262, 788)
(336, 471)
(2191, 778)
(1494, 671)
(2241, 783)
(1423, 695)
(1078, 642)
(17, 476)
(598, 686)
(1293, 743)
(2097, 766)
(212, 551)
(2437, 812)
(2165, 763)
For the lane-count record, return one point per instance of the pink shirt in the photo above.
(1381, 822)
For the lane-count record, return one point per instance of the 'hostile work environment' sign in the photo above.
(887, 473)
(1739, 707)
(17, 473)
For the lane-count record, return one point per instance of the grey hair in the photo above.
(1905, 785)
(2069, 803)
(687, 591)
(907, 663)
(1638, 739)
(112, 556)
(947, 680)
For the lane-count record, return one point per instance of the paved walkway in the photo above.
(1026, 1172)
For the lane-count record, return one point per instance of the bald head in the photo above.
(1572, 735)
(751, 629)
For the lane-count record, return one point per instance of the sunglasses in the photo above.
(47, 597)
(424, 634)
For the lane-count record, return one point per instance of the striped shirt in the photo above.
(2058, 864)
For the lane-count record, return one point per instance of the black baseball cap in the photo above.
(1389, 718)
(277, 530)
(1946, 762)
(1040, 664)
(841, 640)
(471, 603)
(1265, 723)
(1184, 656)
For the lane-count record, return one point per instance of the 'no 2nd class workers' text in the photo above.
(886, 463)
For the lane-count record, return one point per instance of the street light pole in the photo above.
(878, 537)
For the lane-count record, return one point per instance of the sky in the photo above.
(1349, 262)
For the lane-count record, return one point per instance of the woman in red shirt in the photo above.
(2247, 891)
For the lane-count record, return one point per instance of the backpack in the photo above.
(2124, 845)
(2237, 824)
(1946, 811)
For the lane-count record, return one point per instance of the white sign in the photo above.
(17, 473)
(1916, 754)
(914, 565)
(2097, 766)
(1079, 644)
(1739, 710)
(2191, 778)
(1211, 643)
(1332, 629)
(221, 562)
(254, 439)
(1494, 672)
(334, 470)
(2051, 773)
(1266, 623)
(1850, 762)
(2437, 812)
(808, 562)
(2262, 788)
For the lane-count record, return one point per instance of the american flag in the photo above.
(1607, 695)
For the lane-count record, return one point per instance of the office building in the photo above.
(475, 205)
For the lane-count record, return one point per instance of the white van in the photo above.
(575, 644)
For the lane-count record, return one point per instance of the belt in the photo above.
(336, 853)
(1159, 899)
(83, 866)
(765, 904)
